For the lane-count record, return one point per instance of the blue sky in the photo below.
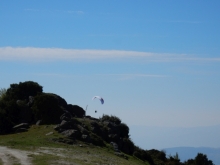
(156, 63)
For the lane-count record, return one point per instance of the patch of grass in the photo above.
(43, 151)
(35, 137)
(44, 159)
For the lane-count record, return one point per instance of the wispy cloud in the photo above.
(77, 12)
(128, 76)
(42, 54)
(118, 77)
(187, 22)
(123, 76)
(55, 54)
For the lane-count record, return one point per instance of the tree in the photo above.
(123, 130)
(113, 119)
(2, 92)
(47, 107)
(174, 160)
(201, 159)
(9, 109)
(23, 90)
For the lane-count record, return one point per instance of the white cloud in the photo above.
(51, 54)
(55, 54)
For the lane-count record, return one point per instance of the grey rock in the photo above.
(22, 125)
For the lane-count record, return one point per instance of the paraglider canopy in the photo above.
(100, 98)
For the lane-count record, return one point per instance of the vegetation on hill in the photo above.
(25, 104)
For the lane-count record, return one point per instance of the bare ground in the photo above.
(10, 156)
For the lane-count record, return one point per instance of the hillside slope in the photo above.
(38, 146)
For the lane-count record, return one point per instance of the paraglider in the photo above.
(100, 98)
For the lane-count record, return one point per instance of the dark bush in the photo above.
(47, 108)
(2, 93)
(113, 119)
(5, 124)
(189, 162)
(201, 159)
(23, 90)
(127, 146)
(11, 110)
(123, 130)
(143, 155)
(76, 110)
(157, 155)
(9, 97)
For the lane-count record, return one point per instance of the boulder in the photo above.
(81, 129)
(49, 133)
(71, 133)
(86, 138)
(115, 146)
(66, 124)
(22, 125)
(38, 122)
(30, 102)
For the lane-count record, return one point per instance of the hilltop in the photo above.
(51, 131)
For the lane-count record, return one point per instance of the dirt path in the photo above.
(11, 156)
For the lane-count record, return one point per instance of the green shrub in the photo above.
(2, 93)
(127, 146)
(9, 97)
(5, 124)
(46, 107)
(157, 156)
(23, 90)
(201, 159)
(143, 155)
(113, 119)
(11, 110)
(123, 130)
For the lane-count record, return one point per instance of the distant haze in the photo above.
(186, 153)
(169, 137)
